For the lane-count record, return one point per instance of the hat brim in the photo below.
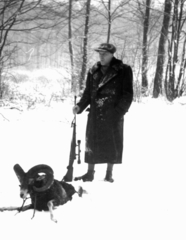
(100, 50)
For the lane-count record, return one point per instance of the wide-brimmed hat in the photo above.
(106, 47)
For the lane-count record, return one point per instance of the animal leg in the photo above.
(50, 208)
(22, 207)
(27, 207)
(34, 207)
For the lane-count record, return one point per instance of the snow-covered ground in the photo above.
(147, 199)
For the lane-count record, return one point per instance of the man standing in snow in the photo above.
(109, 92)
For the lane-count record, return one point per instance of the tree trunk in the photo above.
(38, 56)
(109, 21)
(172, 79)
(174, 55)
(71, 46)
(161, 50)
(1, 89)
(182, 71)
(85, 45)
(145, 47)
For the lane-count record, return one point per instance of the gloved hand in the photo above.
(76, 109)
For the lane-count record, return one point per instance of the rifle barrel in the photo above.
(69, 175)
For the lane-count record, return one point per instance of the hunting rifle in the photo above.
(69, 175)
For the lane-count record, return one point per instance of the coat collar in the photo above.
(115, 66)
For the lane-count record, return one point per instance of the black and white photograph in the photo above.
(93, 119)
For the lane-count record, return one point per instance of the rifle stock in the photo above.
(69, 175)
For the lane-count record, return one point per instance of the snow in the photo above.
(147, 199)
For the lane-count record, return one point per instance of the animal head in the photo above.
(32, 180)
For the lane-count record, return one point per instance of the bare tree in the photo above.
(110, 11)
(63, 33)
(70, 44)
(161, 49)
(12, 12)
(144, 29)
(145, 47)
(109, 21)
(181, 83)
(85, 45)
(173, 81)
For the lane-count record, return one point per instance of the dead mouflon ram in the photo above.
(45, 191)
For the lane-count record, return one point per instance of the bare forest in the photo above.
(60, 36)
(46, 50)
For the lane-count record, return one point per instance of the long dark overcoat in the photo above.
(109, 97)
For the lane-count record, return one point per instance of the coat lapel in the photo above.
(109, 76)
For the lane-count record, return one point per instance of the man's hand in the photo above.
(76, 109)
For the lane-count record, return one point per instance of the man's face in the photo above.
(105, 58)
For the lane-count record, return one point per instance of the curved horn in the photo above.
(19, 173)
(42, 168)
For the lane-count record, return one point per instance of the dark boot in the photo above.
(108, 177)
(88, 177)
